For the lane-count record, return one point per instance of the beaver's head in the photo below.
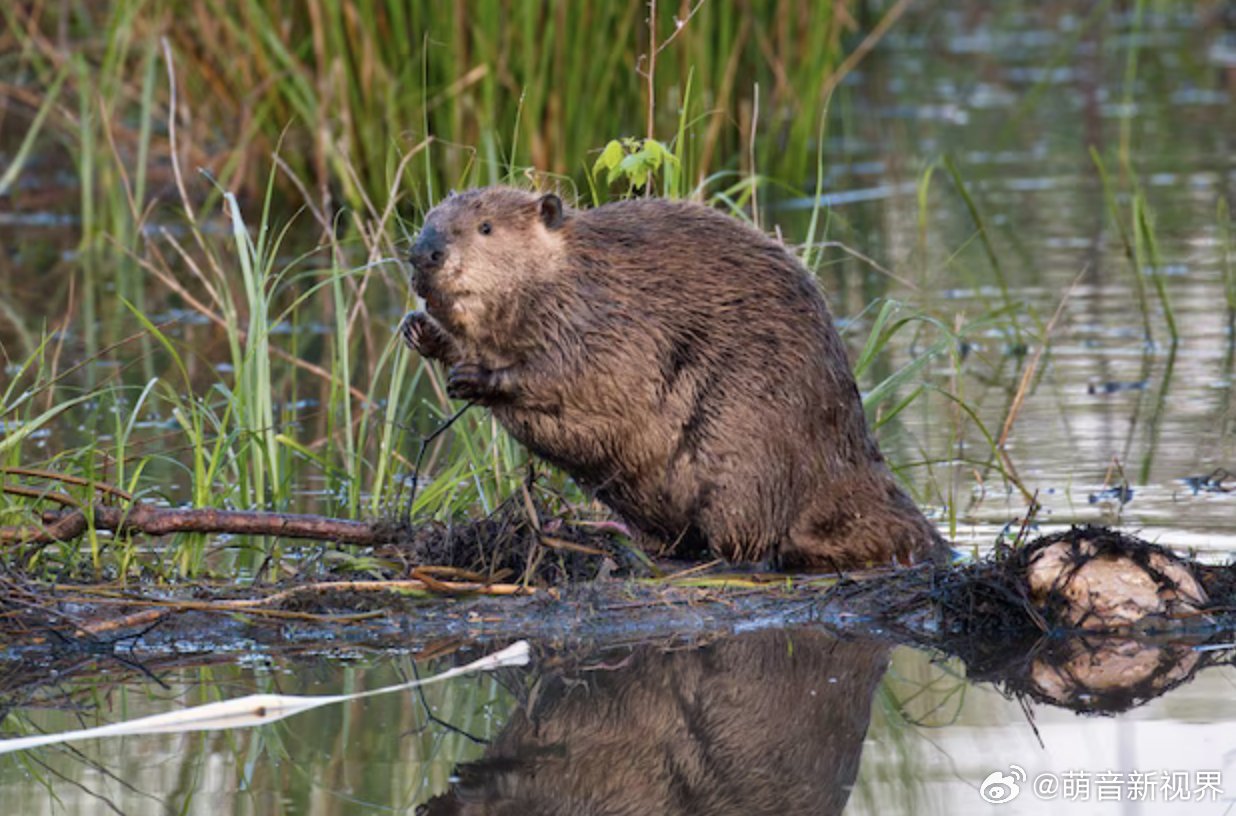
(478, 248)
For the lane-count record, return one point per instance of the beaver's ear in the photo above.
(549, 207)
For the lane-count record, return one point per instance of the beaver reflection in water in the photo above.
(766, 723)
(676, 362)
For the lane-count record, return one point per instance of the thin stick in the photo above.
(51, 476)
(906, 282)
(36, 493)
(154, 609)
(420, 458)
(755, 186)
(652, 70)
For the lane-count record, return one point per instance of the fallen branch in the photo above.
(138, 518)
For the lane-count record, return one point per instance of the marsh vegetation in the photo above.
(1020, 212)
(200, 306)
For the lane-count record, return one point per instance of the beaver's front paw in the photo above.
(423, 335)
(473, 382)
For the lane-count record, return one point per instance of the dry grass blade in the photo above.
(1027, 377)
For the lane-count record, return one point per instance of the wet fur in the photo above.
(678, 363)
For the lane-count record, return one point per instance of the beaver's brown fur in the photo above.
(678, 363)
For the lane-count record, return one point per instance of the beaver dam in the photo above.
(503, 578)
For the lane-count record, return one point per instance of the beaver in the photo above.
(679, 364)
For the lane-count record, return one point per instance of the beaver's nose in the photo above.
(429, 251)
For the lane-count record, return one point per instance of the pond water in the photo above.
(1120, 429)
(1015, 97)
(773, 721)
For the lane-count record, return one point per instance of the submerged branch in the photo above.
(271, 605)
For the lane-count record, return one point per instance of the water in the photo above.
(1016, 97)
(768, 721)
(1115, 429)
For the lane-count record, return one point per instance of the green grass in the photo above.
(223, 428)
(248, 184)
(246, 167)
(219, 428)
(348, 88)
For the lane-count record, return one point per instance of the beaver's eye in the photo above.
(485, 228)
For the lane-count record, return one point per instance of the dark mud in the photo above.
(987, 613)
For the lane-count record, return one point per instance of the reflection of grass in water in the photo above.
(1141, 249)
(382, 750)
(953, 373)
(916, 695)
(1228, 263)
(937, 342)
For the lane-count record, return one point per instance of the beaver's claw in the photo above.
(472, 382)
(423, 335)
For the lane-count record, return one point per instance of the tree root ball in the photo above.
(1095, 579)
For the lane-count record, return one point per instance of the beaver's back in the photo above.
(718, 401)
